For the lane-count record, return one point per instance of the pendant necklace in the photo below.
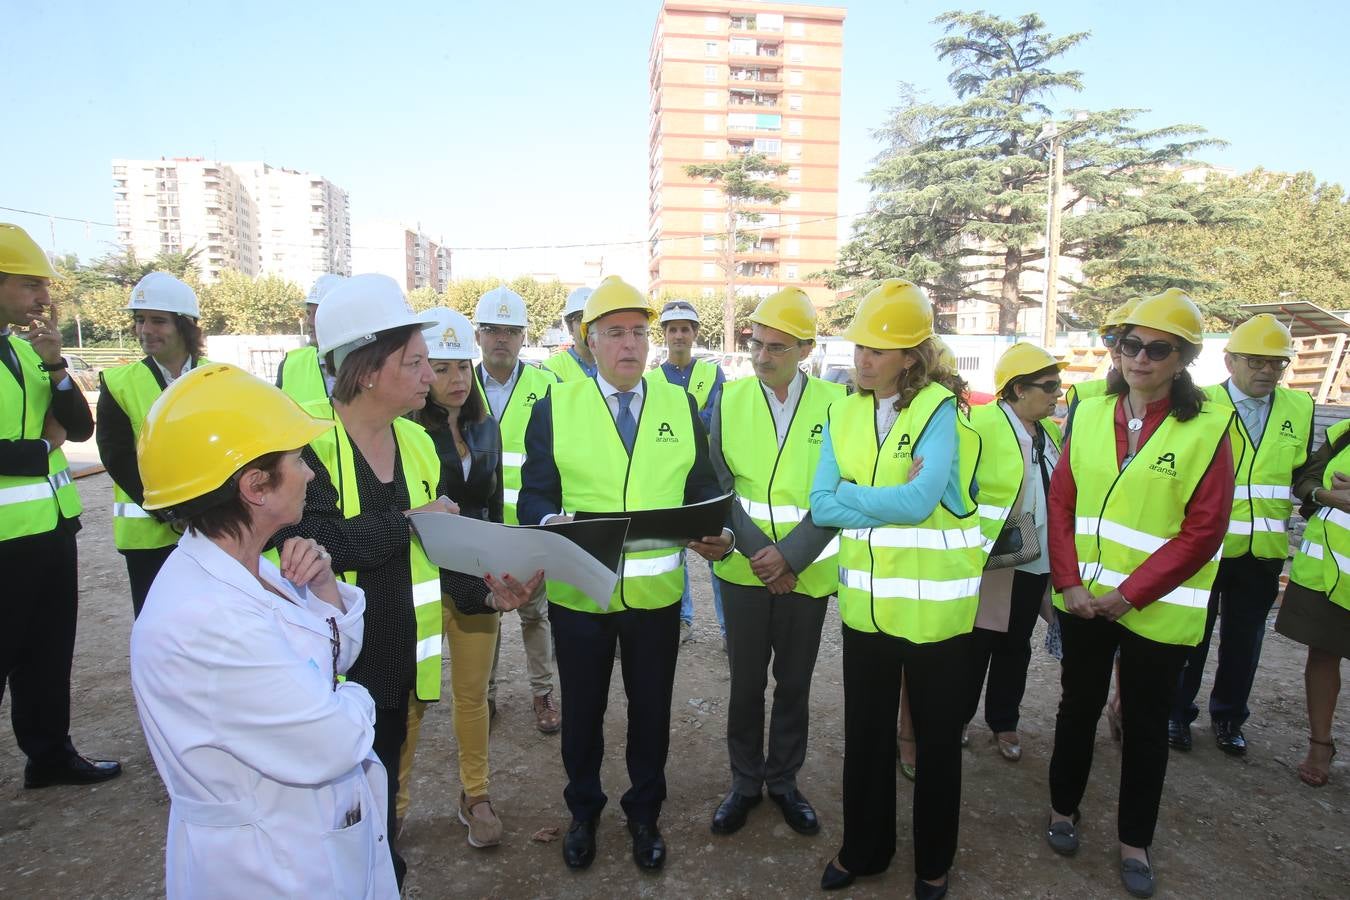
(1135, 424)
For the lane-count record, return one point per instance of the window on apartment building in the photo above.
(794, 127)
(796, 77)
(710, 149)
(794, 176)
(793, 152)
(711, 197)
(710, 48)
(742, 46)
(790, 272)
(710, 74)
(712, 123)
(710, 98)
(709, 270)
(712, 23)
(709, 244)
(795, 102)
(770, 146)
(792, 247)
(709, 221)
(796, 53)
(797, 29)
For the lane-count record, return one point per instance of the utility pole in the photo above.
(1051, 309)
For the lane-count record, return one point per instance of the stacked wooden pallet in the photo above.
(1085, 364)
(1320, 368)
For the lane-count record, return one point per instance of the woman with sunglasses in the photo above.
(1019, 446)
(910, 554)
(1134, 547)
(1109, 333)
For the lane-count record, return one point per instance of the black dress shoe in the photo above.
(732, 811)
(834, 878)
(579, 845)
(74, 770)
(1178, 735)
(925, 891)
(1229, 738)
(649, 848)
(797, 811)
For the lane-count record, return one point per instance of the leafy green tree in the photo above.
(746, 182)
(238, 304)
(425, 298)
(959, 195)
(462, 295)
(543, 304)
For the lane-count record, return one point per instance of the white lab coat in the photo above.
(262, 759)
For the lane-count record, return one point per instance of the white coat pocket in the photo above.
(350, 858)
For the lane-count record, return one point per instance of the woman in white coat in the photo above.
(236, 665)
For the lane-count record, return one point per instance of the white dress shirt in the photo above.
(498, 392)
(784, 410)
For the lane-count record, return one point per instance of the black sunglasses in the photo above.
(1050, 386)
(1256, 363)
(1156, 350)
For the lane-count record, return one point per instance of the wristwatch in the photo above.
(53, 367)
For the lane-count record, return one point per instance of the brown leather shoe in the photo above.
(547, 718)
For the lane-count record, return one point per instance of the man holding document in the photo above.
(617, 443)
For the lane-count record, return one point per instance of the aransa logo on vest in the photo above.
(666, 435)
(902, 447)
(817, 434)
(1166, 465)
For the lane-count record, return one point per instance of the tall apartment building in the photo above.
(401, 252)
(731, 78)
(251, 217)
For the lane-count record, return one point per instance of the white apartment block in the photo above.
(402, 252)
(251, 217)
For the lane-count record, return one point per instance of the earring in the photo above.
(370, 387)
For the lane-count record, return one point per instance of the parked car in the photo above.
(84, 375)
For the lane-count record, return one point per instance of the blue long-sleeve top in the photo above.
(842, 504)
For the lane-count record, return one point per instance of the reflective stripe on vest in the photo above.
(135, 388)
(1323, 560)
(1263, 473)
(1117, 529)
(918, 582)
(31, 504)
(599, 476)
(772, 483)
(421, 475)
(301, 375)
(532, 384)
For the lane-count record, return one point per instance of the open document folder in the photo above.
(585, 555)
(651, 529)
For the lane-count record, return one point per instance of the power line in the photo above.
(571, 246)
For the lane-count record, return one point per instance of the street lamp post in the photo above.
(1051, 307)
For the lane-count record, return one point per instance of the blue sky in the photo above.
(526, 122)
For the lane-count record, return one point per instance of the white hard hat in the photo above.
(501, 306)
(451, 337)
(358, 309)
(576, 301)
(162, 292)
(322, 285)
(679, 311)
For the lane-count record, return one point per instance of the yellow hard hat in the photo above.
(1171, 311)
(1262, 335)
(895, 315)
(208, 425)
(790, 311)
(1022, 358)
(1119, 314)
(946, 358)
(20, 254)
(613, 294)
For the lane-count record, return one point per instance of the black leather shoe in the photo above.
(1229, 738)
(925, 891)
(732, 811)
(1179, 735)
(649, 848)
(797, 811)
(579, 845)
(834, 878)
(75, 770)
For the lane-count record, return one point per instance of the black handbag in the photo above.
(1017, 544)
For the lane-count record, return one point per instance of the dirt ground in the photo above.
(1229, 828)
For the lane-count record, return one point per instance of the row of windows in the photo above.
(756, 22)
(753, 122)
(796, 53)
(717, 98)
(748, 270)
(791, 246)
(767, 146)
(713, 197)
(713, 75)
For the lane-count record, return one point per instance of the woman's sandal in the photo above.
(1317, 777)
(906, 769)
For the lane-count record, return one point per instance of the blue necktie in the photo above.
(1251, 413)
(625, 421)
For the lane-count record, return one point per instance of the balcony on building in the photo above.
(757, 74)
(771, 147)
(748, 121)
(756, 269)
(750, 96)
(757, 22)
(760, 48)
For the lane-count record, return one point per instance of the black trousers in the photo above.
(785, 629)
(391, 728)
(142, 567)
(1005, 655)
(1243, 593)
(38, 610)
(649, 640)
(873, 663)
(1148, 678)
